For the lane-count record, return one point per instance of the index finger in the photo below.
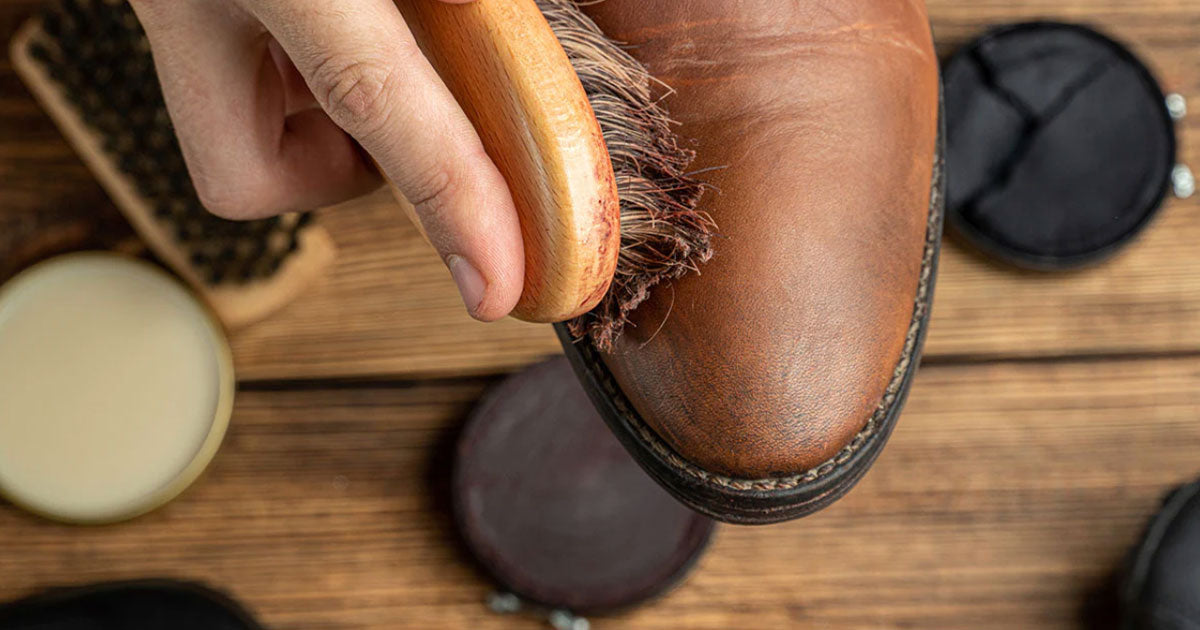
(365, 69)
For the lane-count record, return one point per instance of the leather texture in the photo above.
(819, 119)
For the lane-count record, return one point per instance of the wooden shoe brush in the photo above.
(88, 63)
(606, 206)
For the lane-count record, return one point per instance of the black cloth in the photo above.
(147, 605)
(1059, 148)
(1161, 587)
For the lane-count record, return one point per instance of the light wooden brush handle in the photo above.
(508, 71)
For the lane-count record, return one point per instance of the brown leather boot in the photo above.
(763, 387)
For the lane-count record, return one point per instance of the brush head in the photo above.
(90, 64)
(508, 72)
(663, 235)
(576, 127)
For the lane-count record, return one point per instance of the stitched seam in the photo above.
(890, 396)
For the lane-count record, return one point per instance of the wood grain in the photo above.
(1007, 496)
(389, 308)
(1008, 493)
(512, 78)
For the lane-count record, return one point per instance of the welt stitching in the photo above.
(891, 394)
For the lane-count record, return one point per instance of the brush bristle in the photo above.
(97, 55)
(663, 236)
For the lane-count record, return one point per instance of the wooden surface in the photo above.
(1007, 495)
(1051, 415)
(389, 308)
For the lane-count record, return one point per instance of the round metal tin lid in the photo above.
(1060, 146)
(552, 505)
(116, 386)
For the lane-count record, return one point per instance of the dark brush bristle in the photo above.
(663, 236)
(97, 54)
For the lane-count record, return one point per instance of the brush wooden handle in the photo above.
(508, 71)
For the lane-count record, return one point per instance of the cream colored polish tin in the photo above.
(116, 387)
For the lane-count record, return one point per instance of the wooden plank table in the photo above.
(1051, 415)
(389, 310)
(1007, 495)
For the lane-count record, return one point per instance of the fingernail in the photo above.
(470, 282)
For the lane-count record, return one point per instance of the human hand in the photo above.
(274, 101)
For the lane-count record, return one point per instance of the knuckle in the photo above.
(355, 93)
(431, 190)
(450, 174)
